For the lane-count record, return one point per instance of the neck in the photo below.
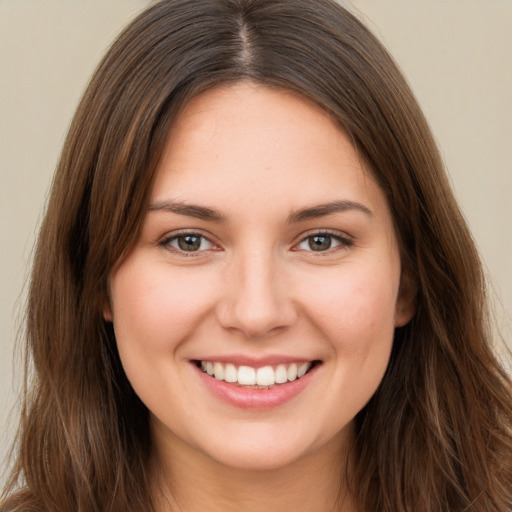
(189, 480)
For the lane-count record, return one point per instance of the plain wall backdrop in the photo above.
(457, 55)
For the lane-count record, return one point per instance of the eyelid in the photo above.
(344, 240)
(169, 237)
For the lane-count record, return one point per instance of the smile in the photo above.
(256, 385)
(258, 378)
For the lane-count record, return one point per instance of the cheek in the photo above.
(355, 316)
(355, 309)
(154, 307)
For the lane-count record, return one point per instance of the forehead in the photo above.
(247, 143)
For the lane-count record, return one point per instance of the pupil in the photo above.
(319, 242)
(189, 243)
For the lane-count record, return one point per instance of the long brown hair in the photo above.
(437, 435)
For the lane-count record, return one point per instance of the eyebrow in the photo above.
(190, 210)
(312, 212)
(320, 210)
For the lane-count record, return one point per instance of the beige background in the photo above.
(456, 53)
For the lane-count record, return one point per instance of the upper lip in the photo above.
(255, 362)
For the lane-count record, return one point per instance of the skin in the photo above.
(255, 288)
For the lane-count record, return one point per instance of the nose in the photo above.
(256, 300)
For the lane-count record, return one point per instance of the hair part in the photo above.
(437, 434)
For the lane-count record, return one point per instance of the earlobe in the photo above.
(107, 310)
(107, 313)
(107, 305)
(406, 300)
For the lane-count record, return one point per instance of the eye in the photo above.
(187, 243)
(323, 242)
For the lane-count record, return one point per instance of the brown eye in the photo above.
(320, 242)
(189, 243)
(324, 242)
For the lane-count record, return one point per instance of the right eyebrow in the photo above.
(189, 210)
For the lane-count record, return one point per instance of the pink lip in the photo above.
(257, 399)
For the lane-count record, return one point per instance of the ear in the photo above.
(406, 300)
(107, 309)
(107, 313)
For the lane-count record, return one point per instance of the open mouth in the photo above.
(264, 377)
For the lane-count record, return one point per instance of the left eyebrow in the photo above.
(320, 210)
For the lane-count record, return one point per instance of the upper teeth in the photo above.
(249, 376)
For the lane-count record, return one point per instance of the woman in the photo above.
(253, 288)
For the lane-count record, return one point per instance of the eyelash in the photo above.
(167, 241)
(342, 241)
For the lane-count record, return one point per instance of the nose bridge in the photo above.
(256, 301)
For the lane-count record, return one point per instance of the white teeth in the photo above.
(265, 376)
(292, 372)
(231, 374)
(248, 376)
(281, 374)
(303, 368)
(218, 371)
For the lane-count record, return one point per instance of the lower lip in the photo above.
(259, 399)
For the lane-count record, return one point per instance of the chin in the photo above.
(260, 450)
(253, 460)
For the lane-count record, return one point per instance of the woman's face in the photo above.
(267, 250)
